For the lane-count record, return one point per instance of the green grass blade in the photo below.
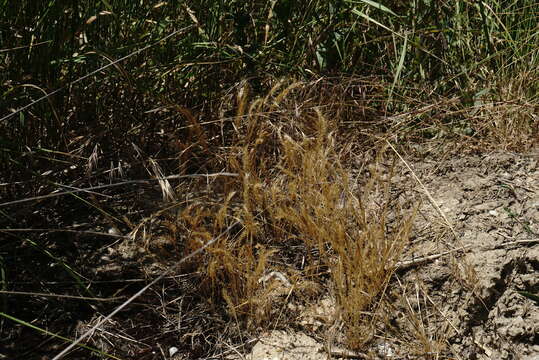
(76, 276)
(379, 7)
(46, 332)
(368, 18)
(530, 296)
(399, 68)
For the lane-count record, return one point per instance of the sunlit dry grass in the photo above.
(301, 213)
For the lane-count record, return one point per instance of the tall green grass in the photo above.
(234, 40)
(453, 47)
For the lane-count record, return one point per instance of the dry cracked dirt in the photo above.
(473, 258)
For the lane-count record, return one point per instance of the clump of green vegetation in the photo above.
(103, 99)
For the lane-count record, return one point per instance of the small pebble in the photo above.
(172, 351)
(113, 231)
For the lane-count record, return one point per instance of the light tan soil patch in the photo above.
(492, 203)
(465, 288)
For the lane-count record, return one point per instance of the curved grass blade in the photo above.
(534, 298)
(46, 332)
(379, 7)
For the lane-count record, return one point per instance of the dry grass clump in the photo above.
(499, 114)
(300, 214)
(504, 115)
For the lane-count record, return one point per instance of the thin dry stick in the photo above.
(141, 291)
(144, 181)
(96, 281)
(61, 296)
(235, 350)
(429, 196)
(509, 243)
(408, 263)
(122, 337)
(25, 46)
(66, 230)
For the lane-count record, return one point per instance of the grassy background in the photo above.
(266, 90)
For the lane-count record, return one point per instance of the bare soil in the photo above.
(464, 272)
(492, 203)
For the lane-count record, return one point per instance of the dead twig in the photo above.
(61, 296)
(129, 182)
(409, 263)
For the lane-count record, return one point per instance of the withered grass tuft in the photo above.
(301, 213)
